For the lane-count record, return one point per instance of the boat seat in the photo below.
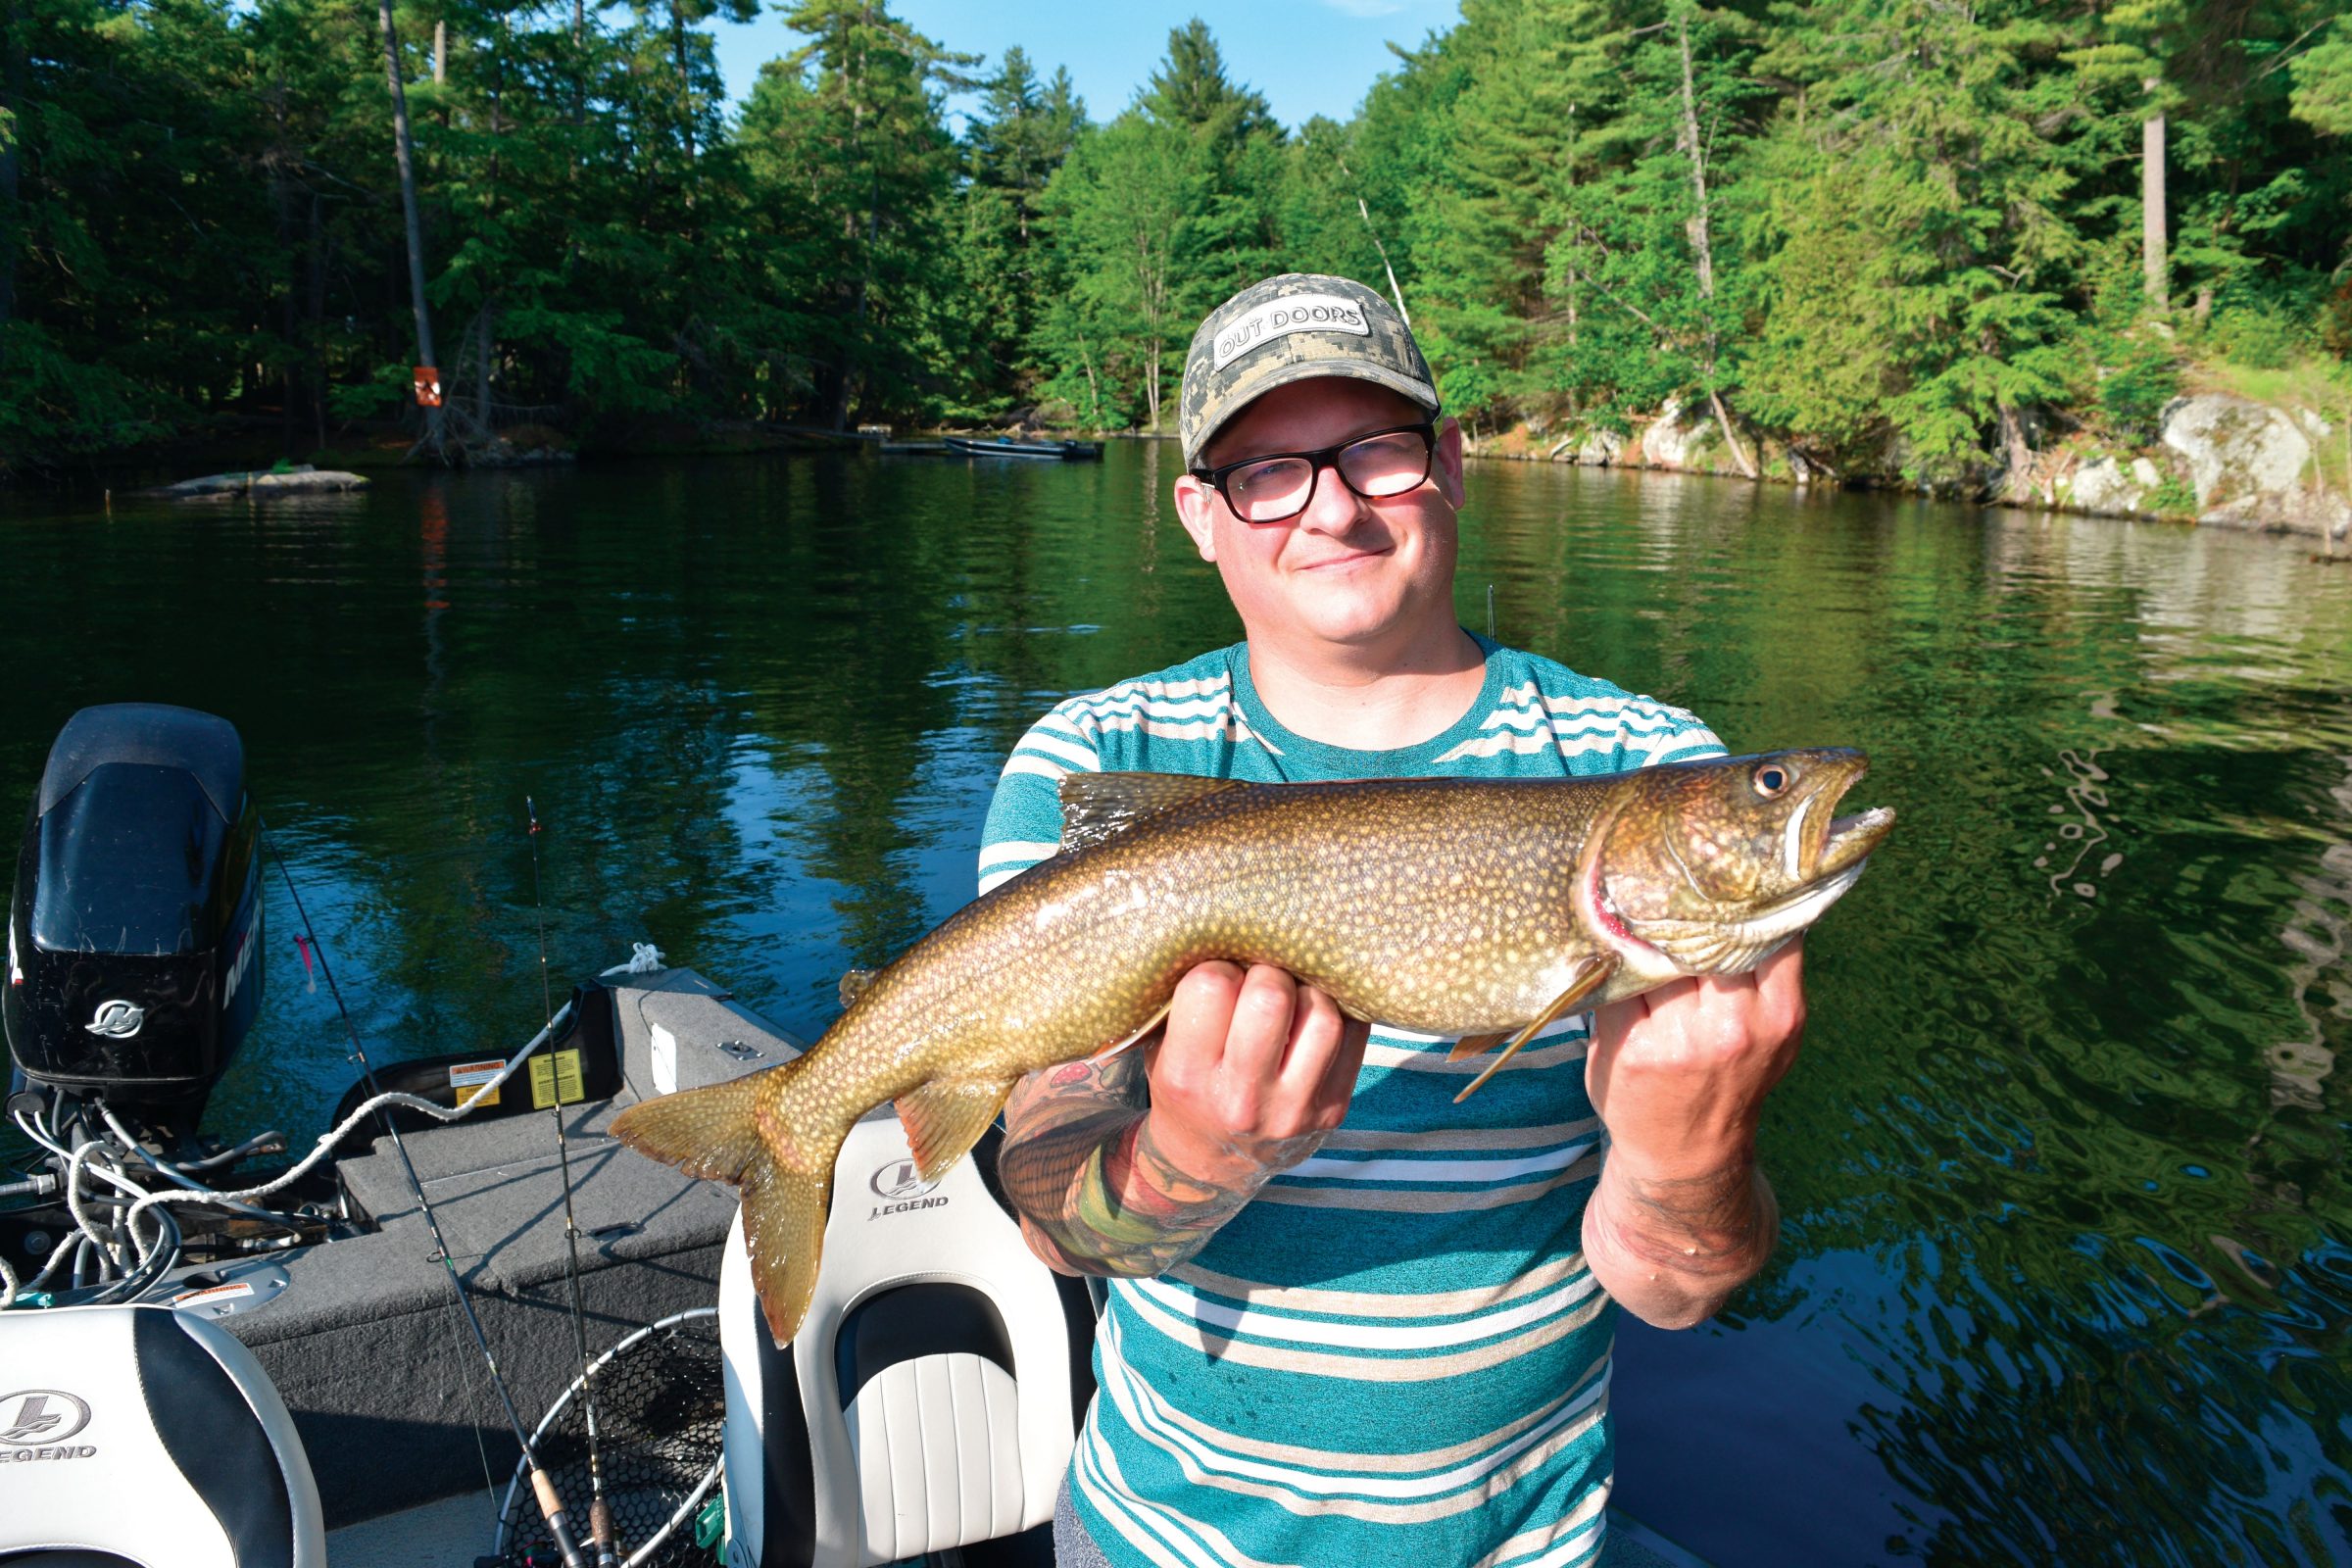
(142, 1436)
(932, 1396)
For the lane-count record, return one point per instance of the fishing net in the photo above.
(660, 1415)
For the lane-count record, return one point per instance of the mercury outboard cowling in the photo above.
(133, 963)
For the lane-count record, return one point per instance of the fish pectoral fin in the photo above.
(710, 1134)
(1472, 1044)
(855, 983)
(784, 1234)
(1099, 806)
(1150, 1024)
(944, 1118)
(1590, 975)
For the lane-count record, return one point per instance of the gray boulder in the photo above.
(1600, 448)
(2108, 489)
(1677, 437)
(2252, 464)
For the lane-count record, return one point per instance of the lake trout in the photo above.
(1476, 908)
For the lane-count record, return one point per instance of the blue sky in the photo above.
(1309, 56)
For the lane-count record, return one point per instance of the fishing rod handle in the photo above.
(600, 1531)
(551, 1505)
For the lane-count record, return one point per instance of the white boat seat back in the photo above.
(141, 1433)
(931, 1398)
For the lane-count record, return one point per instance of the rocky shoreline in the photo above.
(2219, 460)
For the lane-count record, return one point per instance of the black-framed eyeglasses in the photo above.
(1280, 485)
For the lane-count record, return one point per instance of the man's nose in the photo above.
(1334, 507)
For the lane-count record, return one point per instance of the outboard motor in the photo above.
(133, 937)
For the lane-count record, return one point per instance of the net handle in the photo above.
(518, 1488)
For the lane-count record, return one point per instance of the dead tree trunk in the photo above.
(1093, 393)
(1395, 292)
(15, 51)
(1574, 238)
(1702, 248)
(2017, 456)
(2151, 206)
(852, 86)
(433, 428)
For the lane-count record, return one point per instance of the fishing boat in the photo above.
(1006, 447)
(373, 1353)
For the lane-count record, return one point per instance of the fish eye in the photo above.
(1770, 779)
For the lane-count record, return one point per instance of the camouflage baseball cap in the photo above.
(1291, 328)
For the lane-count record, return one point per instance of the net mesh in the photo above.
(660, 1415)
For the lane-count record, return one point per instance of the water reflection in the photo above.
(2080, 837)
(2065, 1274)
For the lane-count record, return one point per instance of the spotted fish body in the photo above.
(1474, 907)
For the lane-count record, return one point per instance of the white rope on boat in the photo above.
(328, 1140)
(644, 958)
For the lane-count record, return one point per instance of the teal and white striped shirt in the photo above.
(1395, 1354)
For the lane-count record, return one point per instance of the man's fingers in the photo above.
(1339, 1082)
(1318, 1029)
(1263, 1016)
(1201, 1015)
(1784, 973)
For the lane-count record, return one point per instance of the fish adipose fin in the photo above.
(710, 1134)
(855, 983)
(1591, 976)
(1099, 806)
(946, 1117)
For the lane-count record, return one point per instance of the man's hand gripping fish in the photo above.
(1484, 909)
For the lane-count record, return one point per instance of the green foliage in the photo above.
(2139, 376)
(2322, 76)
(57, 408)
(1880, 231)
(1155, 218)
(2257, 335)
(2175, 497)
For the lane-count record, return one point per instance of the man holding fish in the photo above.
(1357, 1315)
(1352, 1321)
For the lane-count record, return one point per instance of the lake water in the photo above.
(2064, 1275)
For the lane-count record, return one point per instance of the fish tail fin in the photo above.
(782, 1160)
(784, 1212)
(711, 1134)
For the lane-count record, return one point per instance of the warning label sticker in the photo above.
(466, 1076)
(557, 1081)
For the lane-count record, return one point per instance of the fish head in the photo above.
(1713, 864)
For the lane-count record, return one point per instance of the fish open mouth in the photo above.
(1846, 849)
(1814, 844)
(1852, 839)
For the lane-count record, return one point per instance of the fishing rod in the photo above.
(599, 1515)
(551, 1501)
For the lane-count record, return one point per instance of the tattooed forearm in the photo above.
(1095, 1193)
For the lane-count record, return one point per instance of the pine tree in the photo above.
(849, 125)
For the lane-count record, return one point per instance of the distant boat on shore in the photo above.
(1006, 447)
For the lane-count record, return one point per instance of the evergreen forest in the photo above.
(1889, 235)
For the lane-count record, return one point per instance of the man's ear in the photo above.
(1446, 466)
(1195, 509)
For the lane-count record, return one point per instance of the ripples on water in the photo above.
(2064, 1274)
